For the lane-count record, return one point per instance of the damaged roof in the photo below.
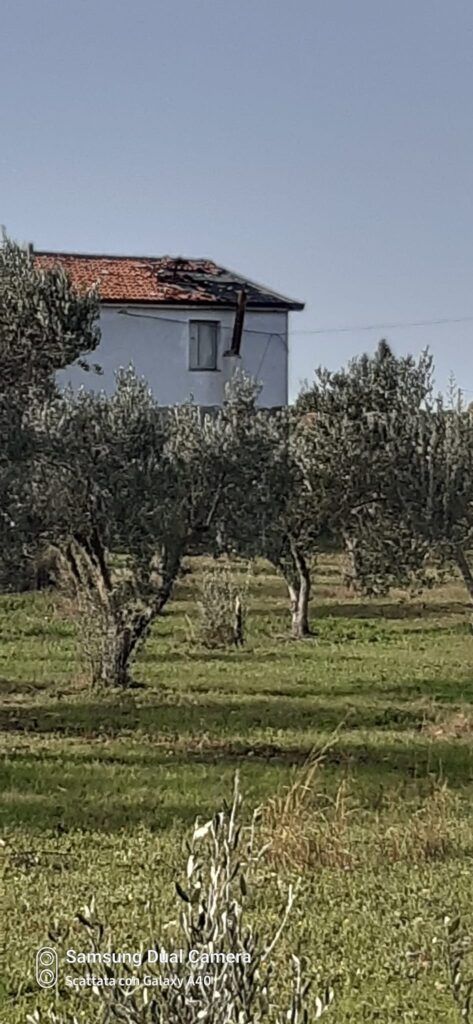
(170, 280)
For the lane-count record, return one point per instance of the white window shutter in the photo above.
(203, 345)
(207, 340)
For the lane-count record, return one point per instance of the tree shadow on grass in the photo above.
(289, 649)
(236, 658)
(218, 718)
(372, 610)
(410, 759)
(165, 790)
(106, 816)
(17, 686)
(437, 691)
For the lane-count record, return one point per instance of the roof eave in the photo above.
(281, 307)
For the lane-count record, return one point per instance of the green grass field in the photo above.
(99, 790)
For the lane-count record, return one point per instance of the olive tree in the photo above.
(427, 502)
(45, 324)
(399, 462)
(360, 433)
(449, 448)
(124, 489)
(268, 510)
(316, 475)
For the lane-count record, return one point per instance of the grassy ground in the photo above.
(98, 791)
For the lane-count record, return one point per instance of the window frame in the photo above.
(195, 324)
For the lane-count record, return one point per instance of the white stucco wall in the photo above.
(156, 341)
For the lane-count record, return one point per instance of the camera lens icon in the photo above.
(46, 967)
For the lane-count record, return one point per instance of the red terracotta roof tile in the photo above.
(167, 280)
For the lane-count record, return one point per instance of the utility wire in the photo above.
(399, 325)
(384, 327)
(176, 320)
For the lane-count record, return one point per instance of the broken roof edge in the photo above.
(290, 304)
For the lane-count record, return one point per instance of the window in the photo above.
(203, 344)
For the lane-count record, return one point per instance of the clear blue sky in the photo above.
(324, 147)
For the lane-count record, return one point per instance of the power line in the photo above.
(386, 327)
(398, 325)
(177, 320)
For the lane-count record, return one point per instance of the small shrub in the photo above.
(429, 835)
(302, 832)
(304, 828)
(221, 608)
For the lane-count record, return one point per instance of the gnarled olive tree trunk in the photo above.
(300, 597)
(112, 618)
(465, 569)
(467, 574)
(295, 570)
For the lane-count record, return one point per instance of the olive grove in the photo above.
(369, 460)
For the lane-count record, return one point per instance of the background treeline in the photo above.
(118, 491)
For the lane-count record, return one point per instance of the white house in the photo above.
(174, 320)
